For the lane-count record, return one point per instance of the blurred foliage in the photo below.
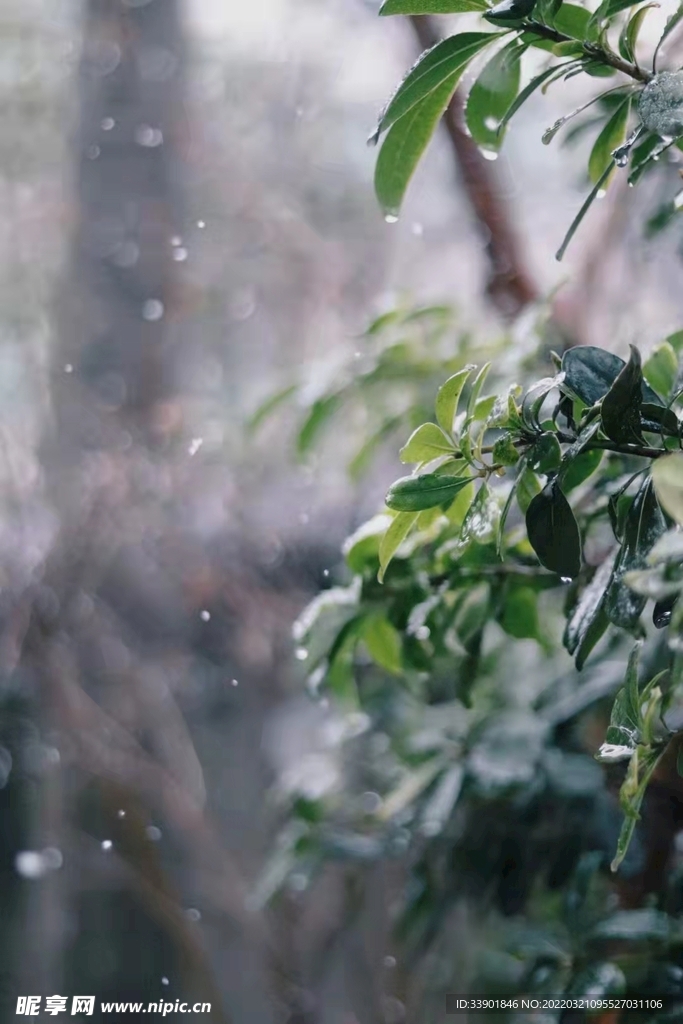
(638, 120)
(546, 514)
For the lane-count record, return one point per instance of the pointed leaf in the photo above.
(644, 525)
(383, 642)
(431, 6)
(527, 91)
(620, 413)
(589, 373)
(396, 533)
(582, 212)
(660, 369)
(414, 493)
(553, 532)
(629, 36)
(611, 136)
(667, 476)
(426, 443)
(447, 398)
(492, 94)
(587, 622)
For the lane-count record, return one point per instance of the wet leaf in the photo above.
(426, 443)
(642, 764)
(589, 372)
(643, 526)
(526, 92)
(269, 406)
(504, 452)
(588, 621)
(510, 12)
(414, 493)
(545, 455)
(492, 94)
(667, 476)
(620, 412)
(553, 532)
(447, 398)
(527, 487)
(482, 517)
(520, 615)
(581, 468)
(431, 6)
(611, 136)
(396, 533)
(629, 35)
(575, 224)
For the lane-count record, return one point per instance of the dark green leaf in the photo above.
(553, 532)
(431, 6)
(440, 66)
(492, 94)
(659, 419)
(510, 12)
(414, 493)
(629, 36)
(644, 525)
(573, 20)
(611, 136)
(545, 455)
(588, 621)
(589, 372)
(580, 468)
(527, 487)
(608, 8)
(620, 413)
(527, 91)
(582, 213)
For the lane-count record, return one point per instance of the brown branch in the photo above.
(510, 286)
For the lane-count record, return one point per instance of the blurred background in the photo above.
(187, 227)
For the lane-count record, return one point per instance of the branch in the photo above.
(591, 50)
(510, 285)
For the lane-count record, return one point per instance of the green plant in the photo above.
(639, 119)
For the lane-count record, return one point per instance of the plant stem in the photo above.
(598, 53)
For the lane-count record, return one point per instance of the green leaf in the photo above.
(447, 398)
(611, 136)
(520, 615)
(640, 769)
(545, 455)
(553, 532)
(482, 517)
(439, 66)
(608, 9)
(644, 525)
(660, 369)
(405, 144)
(574, 226)
(383, 642)
(320, 412)
(620, 411)
(504, 452)
(671, 24)
(431, 6)
(589, 373)
(667, 476)
(414, 493)
(526, 92)
(396, 533)
(527, 487)
(581, 468)
(510, 12)
(269, 406)
(475, 391)
(588, 621)
(573, 20)
(361, 549)
(599, 980)
(426, 443)
(629, 35)
(492, 95)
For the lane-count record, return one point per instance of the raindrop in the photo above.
(201, 224)
(389, 961)
(107, 844)
(204, 615)
(489, 154)
(491, 123)
(152, 310)
(391, 218)
(565, 579)
(68, 368)
(176, 240)
(153, 833)
(301, 654)
(92, 152)
(180, 255)
(622, 153)
(234, 682)
(193, 914)
(107, 123)
(30, 864)
(298, 882)
(120, 813)
(417, 229)
(326, 573)
(126, 254)
(147, 136)
(164, 980)
(195, 445)
(371, 802)
(601, 193)
(423, 633)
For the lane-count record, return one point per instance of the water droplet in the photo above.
(147, 136)
(176, 240)
(205, 615)
(201, 224)
(52, 858)
(193, 914)
(391, 218)
(565, 579)
(234, 682)
(301, 654)
(489, 154)
(371, 802)
(30, 864)
(326, 573)
(389, 961)
(107, 123)
(126, 255)
(68, 368)
(601, 193)
(92, 152)
(152, 310)
(491, 123)
(120, 813)
(180, 254)
(195, 445)
(299, 111)
(107, 844)
(423, 633)
(153, 833)
(164, 980)
(298, 882)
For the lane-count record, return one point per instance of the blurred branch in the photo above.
(510, 286)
